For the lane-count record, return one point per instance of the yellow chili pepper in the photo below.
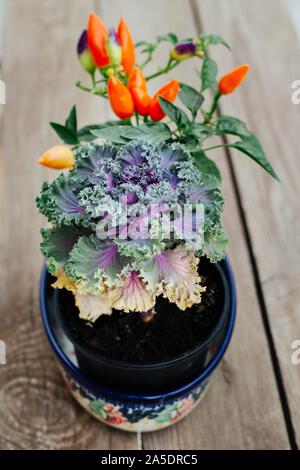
(59, 157)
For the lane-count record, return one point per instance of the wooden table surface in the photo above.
(255, 400)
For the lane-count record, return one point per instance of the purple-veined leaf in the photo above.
(92, 162)
(58, 201)
(91, 259)
(133, 295)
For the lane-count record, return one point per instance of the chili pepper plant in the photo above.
(130, 178)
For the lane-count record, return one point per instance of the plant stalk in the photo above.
(213, 107)
(170, 66)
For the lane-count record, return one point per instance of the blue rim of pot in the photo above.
(121, 396)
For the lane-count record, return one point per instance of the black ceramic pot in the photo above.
(149, 377)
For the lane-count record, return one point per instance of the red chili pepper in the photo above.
(97, 38)
(229, 82)
(120, 98)
(127, 45)
(169, 92)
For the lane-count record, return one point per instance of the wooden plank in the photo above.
(293, 8)
(40, 68)
(2, 12)
(271, 209)
(2, 16)
(2, 106)
(2, 9)
(242, 409)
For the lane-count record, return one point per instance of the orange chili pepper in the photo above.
(59, 157)
(120, 98)
(138, 88)
(169, 92)
(137, 80)
(127, 45)
(231, 80)
(97, 38)
(141, 101)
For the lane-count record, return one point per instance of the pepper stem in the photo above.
(170, 66)
(213, 106)
(93, 78)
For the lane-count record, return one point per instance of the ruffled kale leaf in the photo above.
(58, 242)
(208, 193)
(59, 202)
(215, 242)
(206, 166)
(91, 259)
(93, 163)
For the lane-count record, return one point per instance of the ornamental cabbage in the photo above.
(105, 245)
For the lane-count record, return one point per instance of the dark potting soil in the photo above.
(170, 333)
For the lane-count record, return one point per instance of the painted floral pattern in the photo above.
(108, 412)
(136, 416)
